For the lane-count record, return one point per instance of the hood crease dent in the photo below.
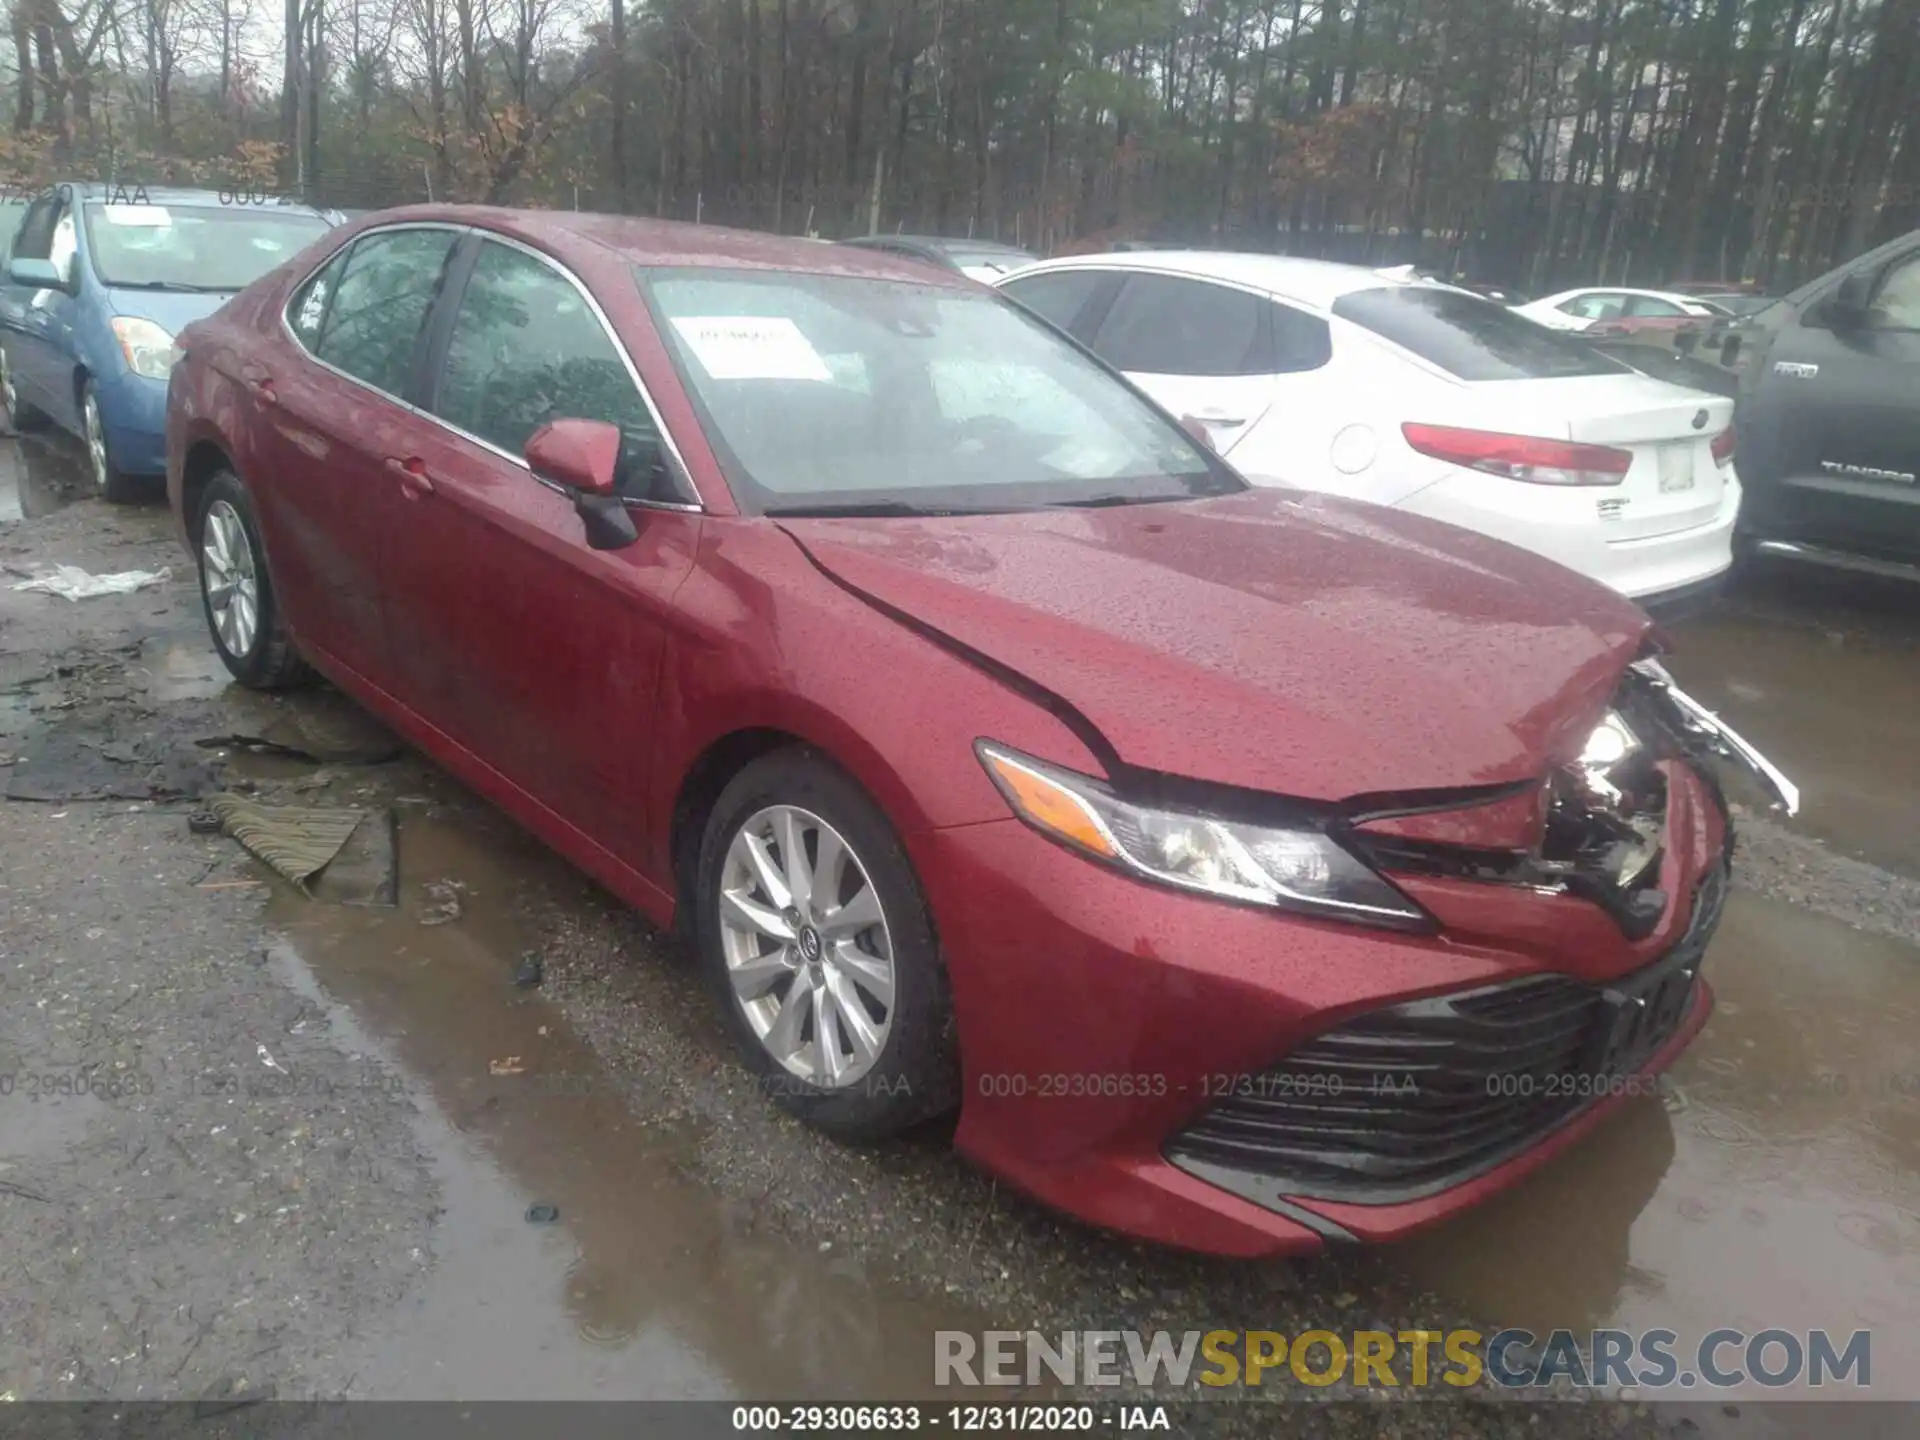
(1294, 645)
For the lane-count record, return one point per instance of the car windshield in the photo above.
(194, 247)
(1471, 338)
(837, 394)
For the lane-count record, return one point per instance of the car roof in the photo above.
(670, 243)
(1311, 282)
(1674, 295)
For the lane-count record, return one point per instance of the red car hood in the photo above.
(1286, 643)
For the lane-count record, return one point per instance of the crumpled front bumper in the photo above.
(1722, 738)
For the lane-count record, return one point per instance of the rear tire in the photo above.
(19, 416)
(236, 591)
(831, 978)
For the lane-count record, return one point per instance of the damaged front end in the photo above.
(1598, 826)
(1408, 1100)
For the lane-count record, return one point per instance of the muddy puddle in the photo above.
(38, 475)
(645, 1284)
(1824, 676)
(1779, 1187)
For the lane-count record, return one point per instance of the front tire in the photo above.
(814, 932)
(236, 591)
(108, 482)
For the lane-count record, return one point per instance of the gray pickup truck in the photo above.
(1828, 418)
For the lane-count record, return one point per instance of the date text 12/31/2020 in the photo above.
(959, 1419)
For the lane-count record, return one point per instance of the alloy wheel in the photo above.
(96, 444)
(229, 579)
(808, 952)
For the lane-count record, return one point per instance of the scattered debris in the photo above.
(266, 1059)
(81, 759)
(228, 884)
(445, 898)
(296, 841)
(512, 1065)
(542, 1214)
(77, 584)
(319, 733)
(532, 970)
(204, 822)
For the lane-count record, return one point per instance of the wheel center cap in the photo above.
(809, 942)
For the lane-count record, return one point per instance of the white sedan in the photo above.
(1415, 394)
(1578, 309)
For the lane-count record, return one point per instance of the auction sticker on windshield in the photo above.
(751, 347)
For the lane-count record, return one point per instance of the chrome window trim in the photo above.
(695, 507)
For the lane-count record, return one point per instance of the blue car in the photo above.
(98, 282)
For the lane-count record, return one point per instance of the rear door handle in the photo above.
(414, 479)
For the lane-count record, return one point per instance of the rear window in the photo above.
(1471, 338)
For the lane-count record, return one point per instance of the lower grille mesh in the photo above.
(1413, 1099)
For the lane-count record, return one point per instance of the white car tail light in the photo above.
(1530, 458)
(1723, 448)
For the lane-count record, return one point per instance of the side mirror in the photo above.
(36, 274)
(1199, 431)
(583, 457)
(1848, 305)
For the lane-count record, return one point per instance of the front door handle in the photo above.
(415, 482)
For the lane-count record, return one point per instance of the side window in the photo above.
(308, 311)
(1896, 305)
(1058, 297)
(1647, 305)
(384, 292)
(1595, 307)
(35, 239)
(1160, 325)
(63, 246)
(526, 348)
(1300, 341)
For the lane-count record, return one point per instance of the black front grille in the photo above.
(1413, 1099)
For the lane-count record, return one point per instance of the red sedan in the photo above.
(1248, 870)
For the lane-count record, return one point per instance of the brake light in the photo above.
(1723, 447)
(1521, 457)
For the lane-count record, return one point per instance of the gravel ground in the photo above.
(182, 1237)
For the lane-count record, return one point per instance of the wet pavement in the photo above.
(645, 1285)
(37, 477)
(703, 1245)
(1823, 674)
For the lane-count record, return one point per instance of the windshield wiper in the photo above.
(177, 286)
